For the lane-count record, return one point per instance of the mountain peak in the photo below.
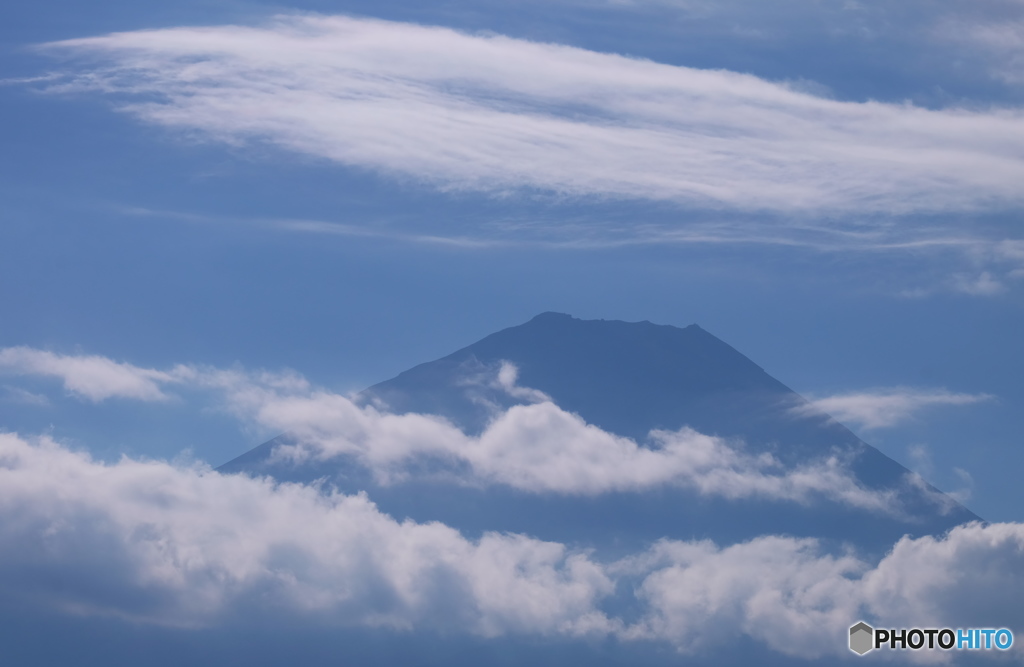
(552, 316)
(628, 379)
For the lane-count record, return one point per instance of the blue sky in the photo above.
(347, 189)
(155, 243)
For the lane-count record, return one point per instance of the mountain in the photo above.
(627, 379)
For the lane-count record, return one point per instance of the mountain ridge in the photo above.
(629, 378)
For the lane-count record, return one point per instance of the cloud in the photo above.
(885, 407)
(187, 547)
(921, 460)
(91, 377)
(905, 248)
(999, 39)
(24, 397)
(494, 386)
(982, 285)
(495, 114)
(958, 39)
(508, 381)
(543, 449)
(963, 494)
(800, 601)
(782, 591)
(538, 447)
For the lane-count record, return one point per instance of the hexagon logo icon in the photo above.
(862, 638)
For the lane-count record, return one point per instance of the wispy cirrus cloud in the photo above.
(982, 267)
(190, 548)
(998, 37)
(21, 396)
(932, 44)
(882, 408)
(494, 114)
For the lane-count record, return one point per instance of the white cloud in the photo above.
(185, 546)
(963, 494)
(24, 397)
(188, 547)
(580, 232)
(921, 463)
(508, 381)
(782, 591)
(921, 460)
(982, 285)
(538, 447)
(91, 377)
(886, 407)
(495, 386)
(800, 601)
(495, 114)
(1000, 38)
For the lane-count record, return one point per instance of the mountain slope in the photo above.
(630, 378)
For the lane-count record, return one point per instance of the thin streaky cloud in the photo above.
(984, 284)
(882, 408)
(1001, 39)
(500, 115)
(329, 228)
(342, 229)
(21, 396)
(574, 232)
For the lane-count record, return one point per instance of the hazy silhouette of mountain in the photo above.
(629, 378)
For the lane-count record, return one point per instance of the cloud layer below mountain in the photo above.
(187, 547)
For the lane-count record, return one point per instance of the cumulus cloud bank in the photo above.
(188, 547)
(788, 594)
(541, 448)
(182, 546)
(886, 407)
(537, 447)
(495, 114)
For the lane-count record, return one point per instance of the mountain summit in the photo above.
(625, 377)
(632, 379)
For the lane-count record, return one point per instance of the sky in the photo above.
(329, 193)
